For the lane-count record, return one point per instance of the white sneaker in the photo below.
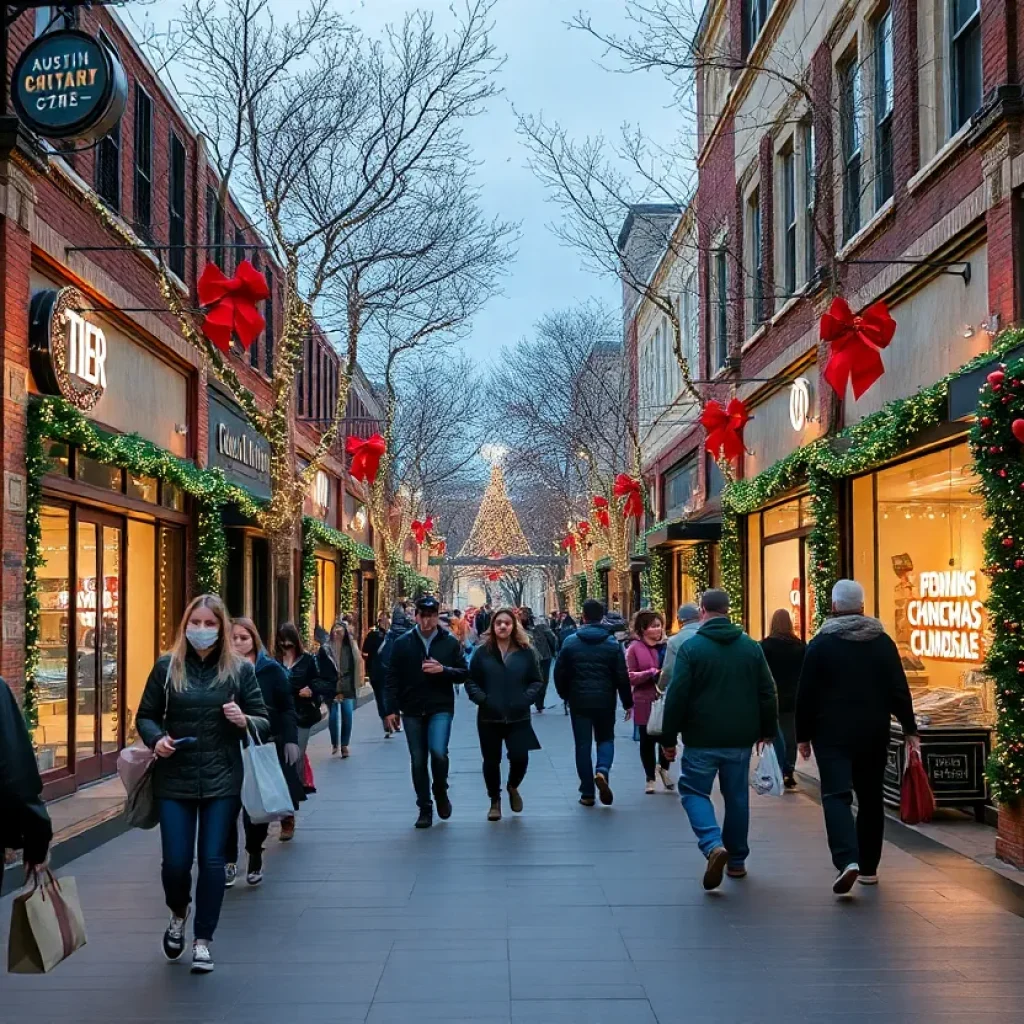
(649, 788)
(666, 779)
(230, 874)
(173, 944)
(868, 879)
(845, 880)
(202, 961)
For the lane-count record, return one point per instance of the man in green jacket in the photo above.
(721, 699)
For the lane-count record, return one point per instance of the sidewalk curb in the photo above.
(1004, 892)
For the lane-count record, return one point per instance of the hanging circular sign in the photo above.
(69, 85)
(799, 403)
(68, 353)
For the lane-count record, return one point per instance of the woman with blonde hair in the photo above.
(349, 663)
(504, 681)
(199, 701)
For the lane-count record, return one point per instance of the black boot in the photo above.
(426, 818)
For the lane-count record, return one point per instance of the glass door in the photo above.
(98, 732)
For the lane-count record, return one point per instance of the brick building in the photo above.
(871, 151)
(118, 532)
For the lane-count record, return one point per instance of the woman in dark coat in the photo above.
(348, 661)
(277, 695)
(371, 648)
(504, 680)
(784, 652)
(198, 704)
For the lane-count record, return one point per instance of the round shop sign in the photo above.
(67, 352)
(69, 85)
(799, 403)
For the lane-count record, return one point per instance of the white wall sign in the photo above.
(947, 618)
(800, 403)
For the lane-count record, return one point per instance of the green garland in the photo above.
(314, 533)
(581, 590)
(997, 460)
(412, 583)
(699, 567)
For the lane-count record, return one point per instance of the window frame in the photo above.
(214, 227)
(789, 220)
(143, 176)
(755, 252)
(176, 233)
(108, 149)
(969, 33)
(810, 204)
(883, 105)
(755, 15)
(718, 308)
(851, 144)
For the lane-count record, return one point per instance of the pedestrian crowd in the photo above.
(702, 700)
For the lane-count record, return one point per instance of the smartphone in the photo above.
(184, 741)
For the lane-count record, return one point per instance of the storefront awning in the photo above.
(685, 532)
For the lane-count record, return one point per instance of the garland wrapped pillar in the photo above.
(823, 543)
(350, 552)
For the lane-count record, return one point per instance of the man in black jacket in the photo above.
(589, 672)
(24, 823)
(852, 682)
(422, 667)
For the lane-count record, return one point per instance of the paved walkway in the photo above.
(563, 915)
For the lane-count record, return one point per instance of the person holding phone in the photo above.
(203, 694)
(422, 669)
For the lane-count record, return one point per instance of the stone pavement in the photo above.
(561, 915)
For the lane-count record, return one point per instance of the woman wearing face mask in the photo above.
(504, 680)
(277, 695)
(350, 677)
(312, 679)
(643, 659)
(197, 705)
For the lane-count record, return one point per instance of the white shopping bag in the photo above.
(657, 719)
(766, 775)
(265, 795)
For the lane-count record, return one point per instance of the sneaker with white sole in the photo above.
(202, 960)
(666, 779)
(649, 787)
(845, 880)
(230, 874)
(255, 873)
(174, 938)
(868, 879)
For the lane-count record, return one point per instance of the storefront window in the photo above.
(171, 583)
(51, 735)
(89, 471)
(931, 589)
(755, 598)
(140, 621)
(782, 518)
(172, 497)
(144, 488)
(782, 580)
(59, 456)
(326, 611)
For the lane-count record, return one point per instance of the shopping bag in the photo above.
(307, 775)
(917, 802)
(766, 775)
(135, 766)
(46, 926)
(657, 719)
(265, 795)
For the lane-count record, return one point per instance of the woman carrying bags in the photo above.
(643, 659)
(504, 680)
(198, 703)
(277, 695)
(349, 664)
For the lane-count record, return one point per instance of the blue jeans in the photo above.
(697, 770)
(588, 728)
(179, 820)
(339, 721)
(428, 735)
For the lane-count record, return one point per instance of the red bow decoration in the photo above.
(494, 575)
(601, 515)
(724, 428)
(857, 342)
(232, 302)
(420, 530)
(366, 455)
(569, 543)
(583, 528)
(629, 487)
(439, 548)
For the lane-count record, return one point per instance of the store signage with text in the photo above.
(236, 448)
(242, 448)
(68, 352)
(947, 619)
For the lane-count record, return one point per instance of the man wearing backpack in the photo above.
(721, 698)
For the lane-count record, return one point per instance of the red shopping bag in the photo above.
(917, 802)
(307, 775)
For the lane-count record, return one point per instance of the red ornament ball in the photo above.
(1007, 542)
(996, 377)
(986, 421)
(1019, 564)
(1002, 473)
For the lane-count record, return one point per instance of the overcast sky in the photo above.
(549, 69)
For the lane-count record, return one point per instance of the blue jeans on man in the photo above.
(339, 721)
(698, 767)
(592, 728)
(427, 736)
(179, 821)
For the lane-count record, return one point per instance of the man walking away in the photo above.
(722, 700)
(590, 672)
(852, 681)
(422, 667)
(689, 622)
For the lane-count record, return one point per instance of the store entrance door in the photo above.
(96, 687)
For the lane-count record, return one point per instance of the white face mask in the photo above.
(202, 638)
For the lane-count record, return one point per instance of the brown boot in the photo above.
(494, 814)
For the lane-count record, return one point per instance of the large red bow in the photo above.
(629, 487)
(420, 530)
(724, 428)
(601, 516)
(232, 302)
(569, 543)
(366, 455)
(857, 343)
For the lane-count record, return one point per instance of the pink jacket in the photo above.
(644, 669)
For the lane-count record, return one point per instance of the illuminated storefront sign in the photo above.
(947, 617)
(800, 403)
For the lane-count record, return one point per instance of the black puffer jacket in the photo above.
(785, 657)
(277, 695)
(320, 674)
(503, 689)
(212, 767)
(591, 669)
(412, 691)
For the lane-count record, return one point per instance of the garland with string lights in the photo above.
(316, 533)
(996, 439)
(698, 567)
(412, 583)
(581, 591)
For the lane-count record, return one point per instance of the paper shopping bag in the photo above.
(917, 802)
(46, 926)
(265, 794)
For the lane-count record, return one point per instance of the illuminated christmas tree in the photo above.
(496, 531)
